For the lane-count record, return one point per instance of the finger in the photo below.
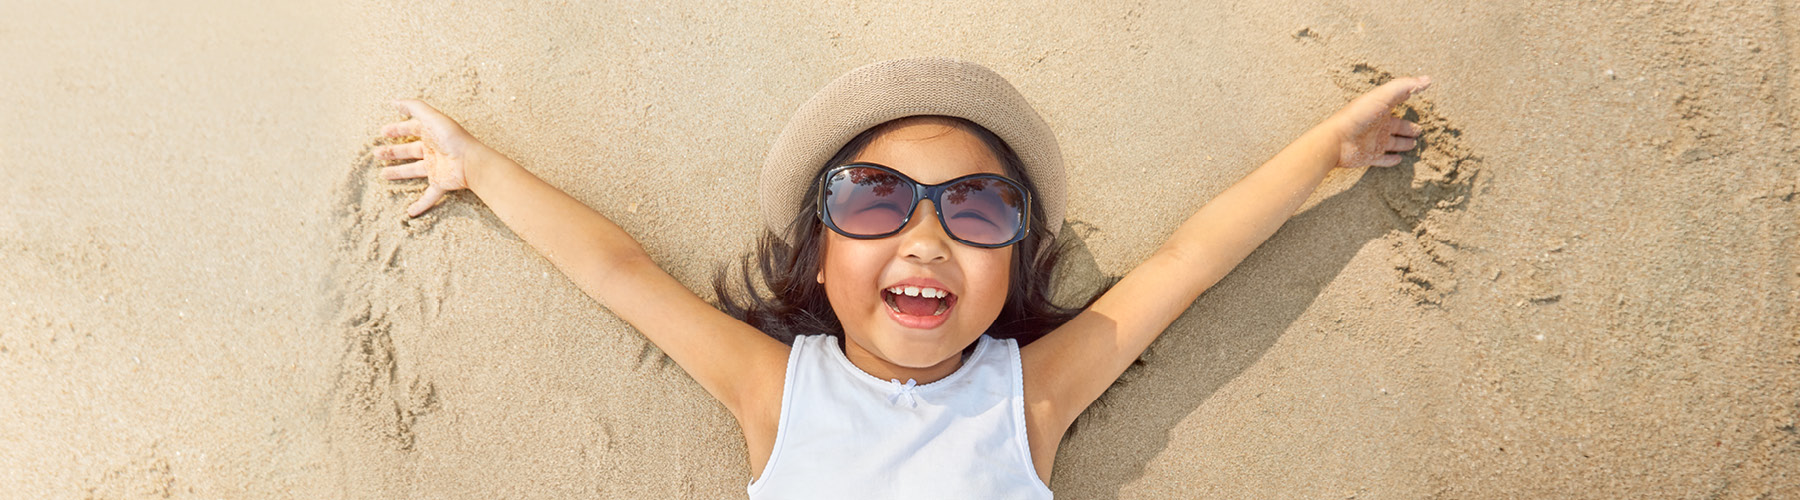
(428, 200)
(1393, 93)
(428, 116)
(1398, 143)
(1405, 128)
(407, 151)
(1387, 160)
(409, 128)
(415, 108)
(412, 170)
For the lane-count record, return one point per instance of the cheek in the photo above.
(846, 271)
(990, 275)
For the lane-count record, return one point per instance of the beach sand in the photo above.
(1583, 285)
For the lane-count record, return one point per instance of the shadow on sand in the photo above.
(1224, 332)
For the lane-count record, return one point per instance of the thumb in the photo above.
(1393, 93)
(426, 201)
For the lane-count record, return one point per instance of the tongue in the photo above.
(916, 306)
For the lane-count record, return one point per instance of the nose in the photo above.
(924, 239)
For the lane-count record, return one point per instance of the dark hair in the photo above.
(795, 303)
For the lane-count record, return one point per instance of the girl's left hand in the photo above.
(1372, 135)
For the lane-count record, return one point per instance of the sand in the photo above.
(1583, 285)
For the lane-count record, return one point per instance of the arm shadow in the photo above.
(1224, 332)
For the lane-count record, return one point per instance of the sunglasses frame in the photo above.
(921, 191)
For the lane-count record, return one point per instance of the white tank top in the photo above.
(846, 434)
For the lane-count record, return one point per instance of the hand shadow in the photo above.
(1224, 332)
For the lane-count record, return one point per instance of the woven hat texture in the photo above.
(889, 90)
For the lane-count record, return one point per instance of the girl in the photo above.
(907, 346)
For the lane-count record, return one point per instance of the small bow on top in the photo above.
(908, 391)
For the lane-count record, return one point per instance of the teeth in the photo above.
(915, 291)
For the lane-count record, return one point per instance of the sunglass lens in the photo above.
(983, 211)
(867, 201)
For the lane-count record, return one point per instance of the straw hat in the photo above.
(894, 89)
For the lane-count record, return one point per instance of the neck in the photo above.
(882, 369)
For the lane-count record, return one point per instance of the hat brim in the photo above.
(889, 90)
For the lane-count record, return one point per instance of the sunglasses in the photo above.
(868, 201)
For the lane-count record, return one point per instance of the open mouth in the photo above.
(918, 301)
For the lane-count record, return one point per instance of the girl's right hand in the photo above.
(444, 152)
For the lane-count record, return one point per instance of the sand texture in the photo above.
(1582, 285)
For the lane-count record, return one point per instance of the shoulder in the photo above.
(762, 383)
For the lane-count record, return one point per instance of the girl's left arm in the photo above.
(1077, 362)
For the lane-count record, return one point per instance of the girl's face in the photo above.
(883, 339)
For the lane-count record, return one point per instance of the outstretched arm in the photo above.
(739, 365)
(1091, 351)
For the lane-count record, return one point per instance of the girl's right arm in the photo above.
(1073, 365)
(738, 365)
